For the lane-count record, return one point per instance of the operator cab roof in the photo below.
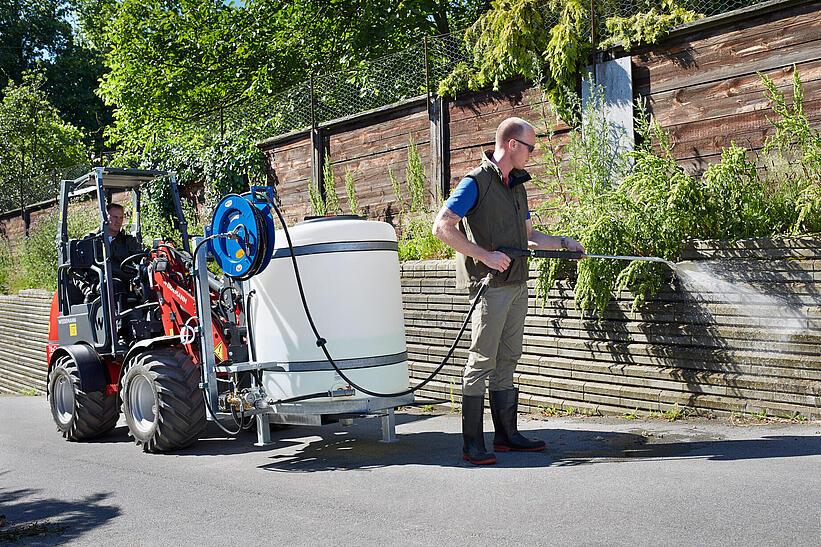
(117, 178)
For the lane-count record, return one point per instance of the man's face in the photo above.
(521, 147)
(115, 219)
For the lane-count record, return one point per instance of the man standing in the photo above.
(488, 210)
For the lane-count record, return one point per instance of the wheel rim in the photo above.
(64, 399)
(141, 403)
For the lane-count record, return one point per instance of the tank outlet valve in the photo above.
(346, 391)
(254, 398)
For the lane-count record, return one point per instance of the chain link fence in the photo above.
(416, 71)
(706, 8)
(34, 189)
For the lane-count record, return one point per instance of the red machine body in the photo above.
(172, 288)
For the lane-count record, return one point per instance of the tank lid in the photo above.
(329, 218)
(346, 228)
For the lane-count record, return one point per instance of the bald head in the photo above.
(512, 128)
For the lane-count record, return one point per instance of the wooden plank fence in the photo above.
(701, 83)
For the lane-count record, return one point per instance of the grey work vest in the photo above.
(497, 220)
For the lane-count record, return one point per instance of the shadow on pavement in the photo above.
(215, 442)
(342, 449)
(338, 447)
(53, 521)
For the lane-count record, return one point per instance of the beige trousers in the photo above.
(497, 328)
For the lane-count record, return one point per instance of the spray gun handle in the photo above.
(515, 253)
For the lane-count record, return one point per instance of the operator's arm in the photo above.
(544, 242)
(445, 228)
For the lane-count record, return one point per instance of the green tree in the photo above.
(31, 30)
(38, 34)
(34, 143)
(190, 79)
(174, 63)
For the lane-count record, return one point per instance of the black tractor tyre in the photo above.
(79, 415)
(162, 401)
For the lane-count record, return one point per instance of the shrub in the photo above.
(6, 266)
(350, 190)
(643, 203)
(416, 240)
(37, 254)
(332, 205)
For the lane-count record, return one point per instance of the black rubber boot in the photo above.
(504, 410)
(473, 435)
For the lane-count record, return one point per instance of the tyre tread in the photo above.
(180, 409)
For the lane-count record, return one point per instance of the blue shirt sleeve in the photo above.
(463, 197)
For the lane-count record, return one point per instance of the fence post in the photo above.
(317, 148)
(439, 148)
(594, 39)
(427, 74)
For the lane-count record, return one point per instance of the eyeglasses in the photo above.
(530, 147)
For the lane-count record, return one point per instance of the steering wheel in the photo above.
(129, 265)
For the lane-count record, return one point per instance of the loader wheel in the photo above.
(162, 403)
(78, 415)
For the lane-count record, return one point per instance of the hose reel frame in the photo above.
(248, 218)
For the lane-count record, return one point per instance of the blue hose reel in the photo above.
(248, 217)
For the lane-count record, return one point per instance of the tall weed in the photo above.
(643, 203)
(415, 221)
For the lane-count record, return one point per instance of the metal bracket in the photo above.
(389, 427)
(263, 430)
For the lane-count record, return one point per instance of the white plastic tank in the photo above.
(350, 272)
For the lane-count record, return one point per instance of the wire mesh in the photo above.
(416, 71)
(703, 8)
(607, 9)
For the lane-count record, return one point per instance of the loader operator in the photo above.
(122, 244)
(486, 211)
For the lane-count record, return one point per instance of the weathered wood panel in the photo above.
(475, 117)
(371, 152)
(290, 167)
(704, 87)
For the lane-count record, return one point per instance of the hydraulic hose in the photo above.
(321, 342)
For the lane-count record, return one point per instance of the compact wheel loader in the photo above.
(115, 341)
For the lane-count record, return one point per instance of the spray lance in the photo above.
(515, 253)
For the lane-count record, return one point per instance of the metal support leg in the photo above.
(263, 430)
(389, 427)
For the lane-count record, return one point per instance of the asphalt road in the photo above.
(601, 482)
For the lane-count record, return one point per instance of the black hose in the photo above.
(216, 420)
(321, 342)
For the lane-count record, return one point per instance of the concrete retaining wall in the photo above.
(715, 352)
(23, 337)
